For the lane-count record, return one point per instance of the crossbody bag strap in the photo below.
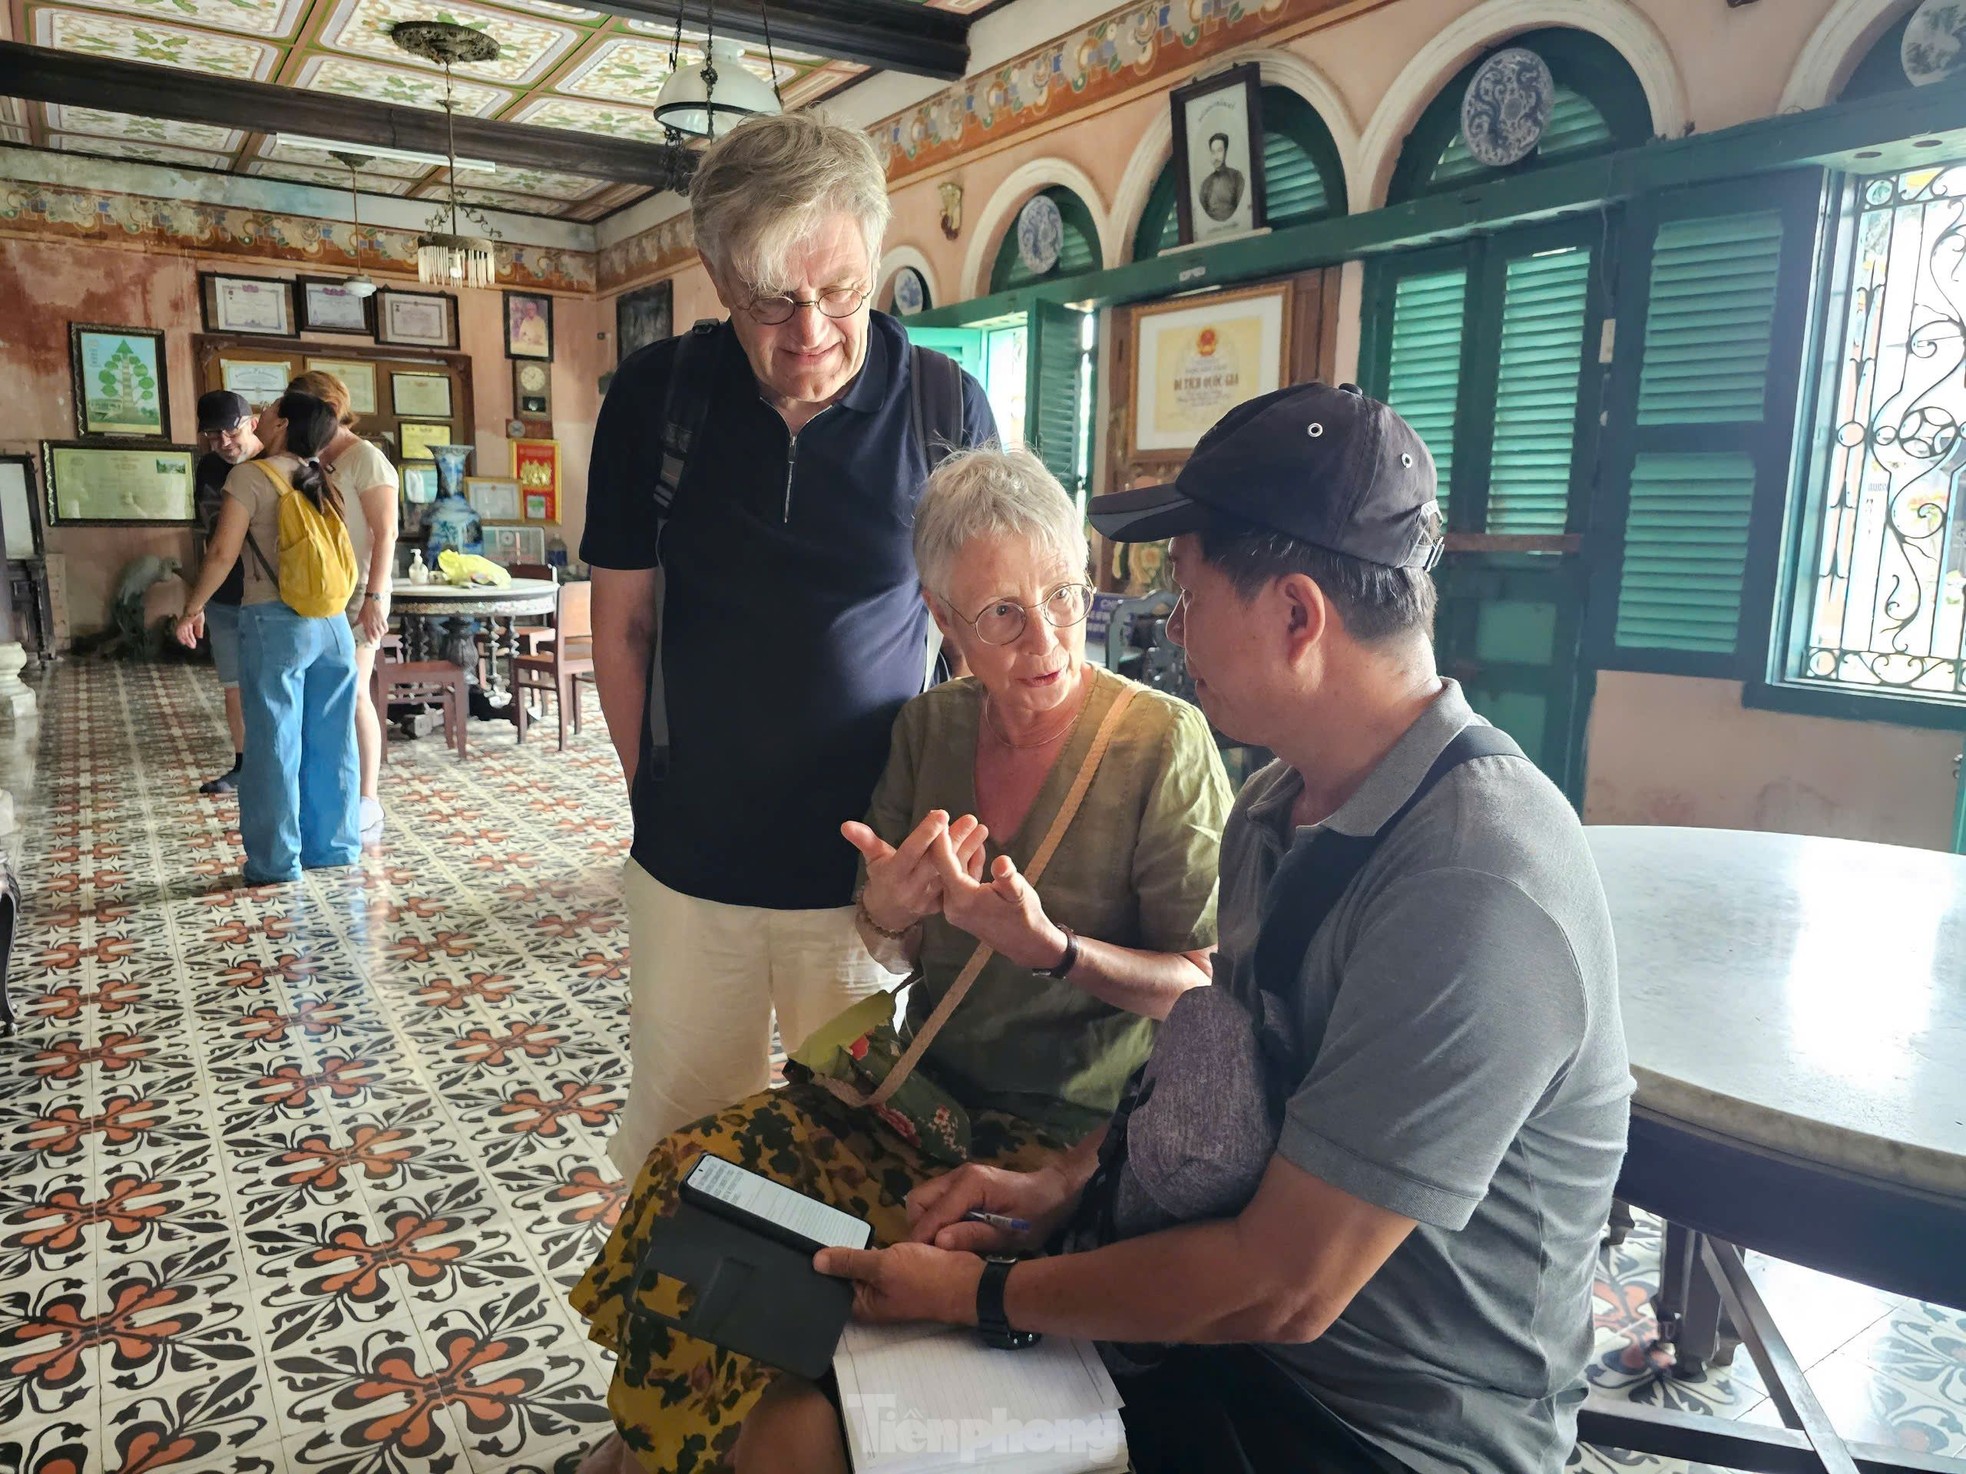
(1074, 796)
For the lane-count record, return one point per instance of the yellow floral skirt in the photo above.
(678, 1401)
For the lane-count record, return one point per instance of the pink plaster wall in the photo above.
(45, 285)
(1675, 750)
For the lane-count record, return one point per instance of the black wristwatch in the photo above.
(1071, 958)
(991, 1322)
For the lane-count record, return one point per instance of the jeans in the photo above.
(299, 786)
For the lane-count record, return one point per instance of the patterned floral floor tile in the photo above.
(295, 1178)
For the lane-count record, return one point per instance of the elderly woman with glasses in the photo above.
(1120, 923)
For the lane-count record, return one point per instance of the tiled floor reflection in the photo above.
(296, 1179)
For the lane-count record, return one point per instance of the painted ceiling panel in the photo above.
(399, 85)
(527, 47)
(327, 178)
(147, 153)
(270, 18)
(560, 66)
(95, 34)
(101, 124)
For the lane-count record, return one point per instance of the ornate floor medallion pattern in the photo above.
(296, 1178)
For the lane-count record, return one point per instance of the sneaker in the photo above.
(226, 782)
(370, 821)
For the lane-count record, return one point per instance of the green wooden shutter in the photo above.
(1053, 409)
(1711, 315)
(1686, 547)
(1423, 361)
(1706, 428)
(1543, 309)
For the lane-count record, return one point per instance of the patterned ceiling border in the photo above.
(654, 252)
(144, 223)
(1117, 53)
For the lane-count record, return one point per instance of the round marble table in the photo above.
(455, 607)
(1796, 1013)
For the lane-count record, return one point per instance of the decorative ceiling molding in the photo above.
(141, 223)
(1119, 53)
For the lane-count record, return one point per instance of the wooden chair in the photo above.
(432, 682)
(528, 637)
(555, 668)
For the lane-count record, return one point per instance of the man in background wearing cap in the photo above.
(225, 431)
(1348, 1217)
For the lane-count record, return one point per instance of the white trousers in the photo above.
(704, 980)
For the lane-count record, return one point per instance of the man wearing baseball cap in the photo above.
(1347, 1217)
(225, 431)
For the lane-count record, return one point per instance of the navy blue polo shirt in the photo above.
(793, 626)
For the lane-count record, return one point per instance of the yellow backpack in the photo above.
(317, 561)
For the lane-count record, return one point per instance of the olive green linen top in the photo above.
(1137, 868)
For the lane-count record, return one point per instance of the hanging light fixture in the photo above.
(361, 284)
(693, 100)
(445, 254)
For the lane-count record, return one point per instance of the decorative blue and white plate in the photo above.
(1040, 234)
(910, 291)
(1507, 106)
(1935, 41)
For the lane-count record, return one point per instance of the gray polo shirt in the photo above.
(1460, 1011)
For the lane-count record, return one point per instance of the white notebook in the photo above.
(922, 1398)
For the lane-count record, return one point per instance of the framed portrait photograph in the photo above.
(261, 380)
(421, 396)
(415, 439)
(93, 484)
(119, 382)
(20, 515)
(328, 306)
(1195, 359)
(644, 316)
(528, 325)
(356, 376)
(536, 467)
(494, 498)
(416, 319)
(248, 304)
(1218, 154)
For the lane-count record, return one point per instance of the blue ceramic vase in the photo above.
(452, 522)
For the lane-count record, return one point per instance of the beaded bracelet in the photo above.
(860, 910)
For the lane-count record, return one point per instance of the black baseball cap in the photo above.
(1325, 465)
(221, 410)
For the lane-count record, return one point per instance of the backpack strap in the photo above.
(1316, 872)
(685, 405)
(936, 404)
(283, 488)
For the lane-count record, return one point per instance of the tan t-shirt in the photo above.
(1137, 868)
(249, 485)
(355, 470)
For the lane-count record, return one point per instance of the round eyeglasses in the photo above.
(834, 302)
(1004, 622)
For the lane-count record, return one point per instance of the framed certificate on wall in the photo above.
(93, 484)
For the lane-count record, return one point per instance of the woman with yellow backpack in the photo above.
(299, 784)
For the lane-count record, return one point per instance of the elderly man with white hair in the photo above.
(756, 626)
(1098, 916)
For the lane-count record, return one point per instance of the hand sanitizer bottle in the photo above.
(419, 570)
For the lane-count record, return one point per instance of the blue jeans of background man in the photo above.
(299, 786)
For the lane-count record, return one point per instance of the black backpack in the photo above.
(935, 410)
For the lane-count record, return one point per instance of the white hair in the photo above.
(765, 185)
(993, 493)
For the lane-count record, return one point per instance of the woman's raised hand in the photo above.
(1000, 907)
(904, 882)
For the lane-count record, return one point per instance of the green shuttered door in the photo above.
(1423, 377)
(1543, 308)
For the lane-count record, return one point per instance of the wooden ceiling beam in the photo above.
(894, 35)
(41, 74)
